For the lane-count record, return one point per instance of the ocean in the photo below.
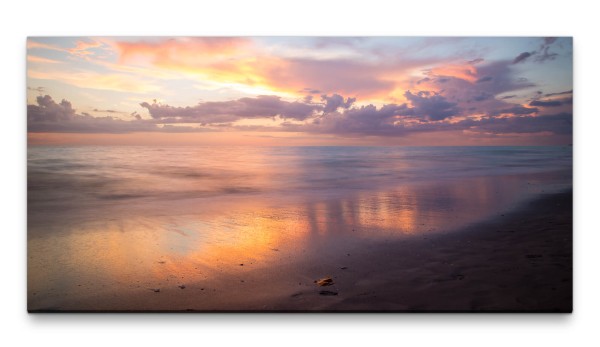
(108, 219)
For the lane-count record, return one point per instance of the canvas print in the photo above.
(299, 174)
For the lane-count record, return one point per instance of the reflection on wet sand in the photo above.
(146, 251)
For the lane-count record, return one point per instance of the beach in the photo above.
(133, 230)
(516, 262)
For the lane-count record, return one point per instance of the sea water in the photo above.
(108, 218)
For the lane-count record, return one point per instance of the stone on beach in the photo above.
(325, 281)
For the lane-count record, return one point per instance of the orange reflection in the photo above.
(137, 252)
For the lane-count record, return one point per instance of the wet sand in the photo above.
(517, 262)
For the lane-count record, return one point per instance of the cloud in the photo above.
(560, 93)
(545, 54)
(242, 61)
(541, 54)
(561, 123)
(554, 102)
(84, 48)
(174, 51)
(262, 106)
(336, 101)
(477, 90)
(36, 59)
(515, 110)
(107, 111)
(310, 91)
(95, 80)
(339, 76)
(548, 103)
(50, 116)
(485, 79)
(37, 89)
(522, 57)
(423, 80)
(483, 96)
(431, 105)
(48, 110)
(388, 120)
(424, 112)
(464, 72)
(502, 78)
(365, 120)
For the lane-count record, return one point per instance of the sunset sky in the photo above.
(300, 90)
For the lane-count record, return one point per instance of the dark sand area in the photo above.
(517, 262)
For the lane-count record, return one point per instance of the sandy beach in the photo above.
(515, 262)
(518, 262)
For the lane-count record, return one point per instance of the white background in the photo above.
(409, 18)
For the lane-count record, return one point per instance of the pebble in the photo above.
(325, 281)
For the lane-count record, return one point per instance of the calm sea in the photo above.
(109, 218)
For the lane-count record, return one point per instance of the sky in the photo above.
(417, 91)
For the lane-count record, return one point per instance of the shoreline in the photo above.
(517, 262)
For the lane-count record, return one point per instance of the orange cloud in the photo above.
(38, 45)
(466, 72)
(236, 61)
(82, 48)
(187, 51)
(36, 59)
(95, 80)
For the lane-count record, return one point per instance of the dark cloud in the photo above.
(561, 123)
(368, 120)
(50, 116)
(475, 61)
(515, 110)
(485, 79)
(423, 80)
(263, 106)
(389, 121)
(560, 93)
(496, 80)
(491, 79)
(522, 57)
(552, 103)
(335, 101)
(430, 105)
(48, 110)
(424, 112)
(548, 103)
(545, 54)
(540, 55)
(503, 79)
(483, 96)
